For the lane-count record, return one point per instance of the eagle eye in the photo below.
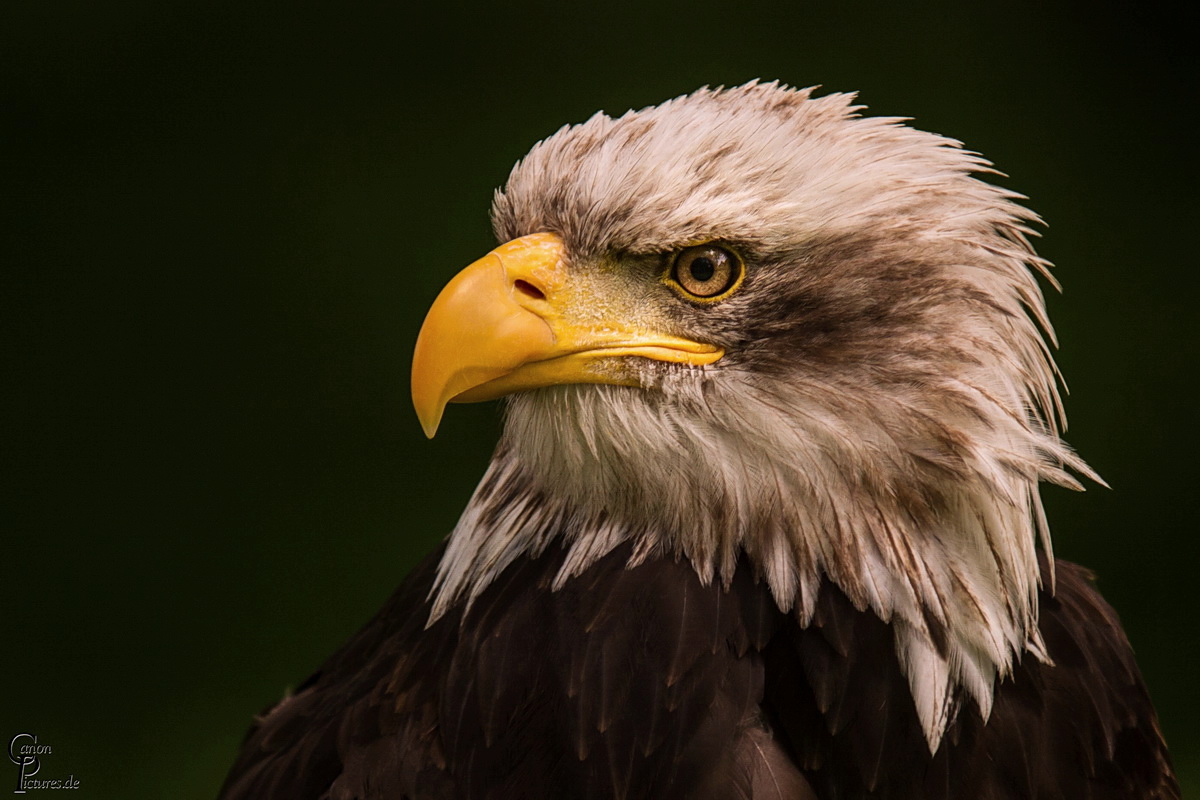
(706, 272)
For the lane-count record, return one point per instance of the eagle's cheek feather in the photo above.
(514, 321)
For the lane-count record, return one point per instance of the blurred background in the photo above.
(223, 222)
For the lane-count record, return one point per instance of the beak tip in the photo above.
(430, 423)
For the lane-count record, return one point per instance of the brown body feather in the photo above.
(644, 683)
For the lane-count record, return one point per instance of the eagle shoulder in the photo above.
(1080, 728)
(363, 718)
(628, 682)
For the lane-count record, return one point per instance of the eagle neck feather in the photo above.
(942, 549)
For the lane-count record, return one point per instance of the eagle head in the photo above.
(755, 324)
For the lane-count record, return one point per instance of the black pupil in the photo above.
(703, 269)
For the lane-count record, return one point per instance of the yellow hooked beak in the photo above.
(513, 321)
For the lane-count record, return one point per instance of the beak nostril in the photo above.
(529, 290)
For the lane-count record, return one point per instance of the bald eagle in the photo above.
(764, 520)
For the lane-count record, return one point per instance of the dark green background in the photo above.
(222, 224)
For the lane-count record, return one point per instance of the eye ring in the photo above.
(707, 273)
